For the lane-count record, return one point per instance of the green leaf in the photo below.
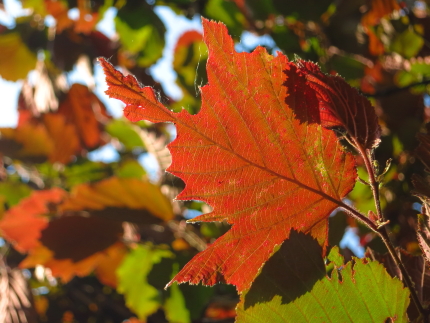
(140, 31)
(228, 13)
(408, 43)
(126, 133)
(293, 287)
(174, 306)
(12, 192)
(86, 171)
(130, 169)
(140, 296)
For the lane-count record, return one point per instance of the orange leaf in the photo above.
(104, 263)
(27, 142)
(117, 192)
(60, 12)
(66, 142)
(106, 268)
(86, 112)
(248, 156)
(23, 223)
(379, 9)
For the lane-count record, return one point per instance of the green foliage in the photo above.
(132, 241)
(358, 291)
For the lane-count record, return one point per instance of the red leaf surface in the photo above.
(248, 156)
(342, 106)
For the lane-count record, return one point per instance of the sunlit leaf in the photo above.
(233, 156)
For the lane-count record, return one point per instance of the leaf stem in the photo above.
(359, 216)
(382, 231)
(374, 184)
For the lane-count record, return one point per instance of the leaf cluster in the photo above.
(273, 147)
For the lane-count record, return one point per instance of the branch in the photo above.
(393, 90)
(382, 230)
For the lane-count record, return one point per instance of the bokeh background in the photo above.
(90, 231)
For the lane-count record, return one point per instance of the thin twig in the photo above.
(382, 231)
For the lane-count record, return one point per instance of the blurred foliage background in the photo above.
(90, 239)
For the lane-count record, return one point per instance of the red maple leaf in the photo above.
(247, 155)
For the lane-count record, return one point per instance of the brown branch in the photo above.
(383, 232)
(393, 90)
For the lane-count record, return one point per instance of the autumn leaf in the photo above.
(22, 224)
(16, 59)
(248, 156)
(125, 199)
(309, 290)
(29, 142)
(66, 269)
(84, 109)
(379, 9)
(85, 227)
(340, 105)
(77, 237)
(63, 135)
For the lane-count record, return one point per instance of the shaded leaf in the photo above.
(77, 237)
(232, 155)
(22, 223)
(358, 291)
(340, 105)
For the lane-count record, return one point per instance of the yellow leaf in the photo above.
(16, 60)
